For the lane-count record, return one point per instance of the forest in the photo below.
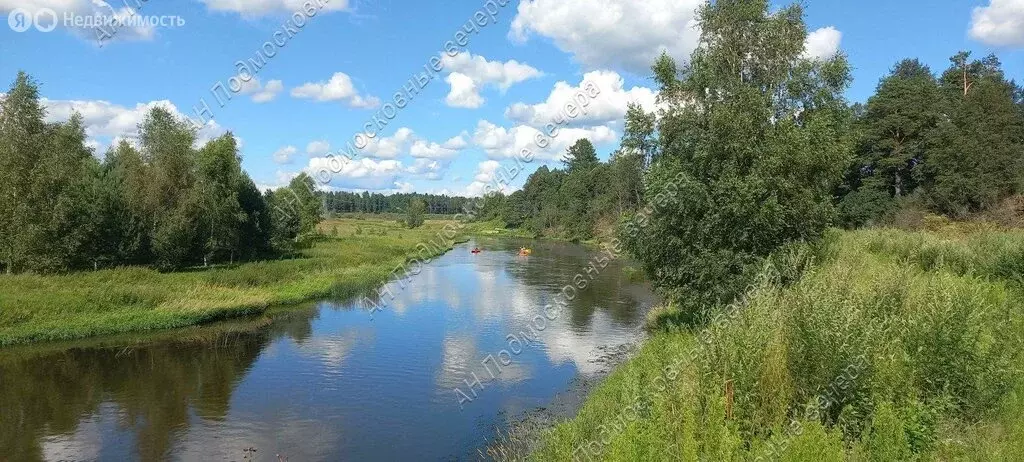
(842, 281)
(949, 145)
(366, 202)
(167, 203)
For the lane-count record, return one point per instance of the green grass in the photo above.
(357, 255)
(913, 341)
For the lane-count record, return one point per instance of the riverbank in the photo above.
(904, 345)
(355, 255)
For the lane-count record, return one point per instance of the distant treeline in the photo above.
(778, 156)
(366, 202)
(575, 201)
(951, 145)
(165, 203)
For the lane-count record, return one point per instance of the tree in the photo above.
(165, 204)
(541, 194)
(306, 203)
(58, 230)
(255, 230)
(516, 210)
(753, 140)
(285, 224)
(575, 195)
(295, 211)
(415, 216)
(580, 157)
(975, 156)
(121, 230)
(627, 180)
(893, 133)
(46, 174)
(22, 133)
(220, 177)
(640, 136)
(172, 200)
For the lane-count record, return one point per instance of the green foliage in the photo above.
(955, 142)
(886, 438)
(907, 342)
(415, 215)
(338, 202)
(128, 299)
(581, 157)
(571, 203)
(975, 159)
(893, 141)
(752, 143)
(165, 203)
(45, 181)
(220, 180)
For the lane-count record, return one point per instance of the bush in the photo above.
(898, 342)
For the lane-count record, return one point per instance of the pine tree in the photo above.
(580, 157)
(975, 156)
(893, 133)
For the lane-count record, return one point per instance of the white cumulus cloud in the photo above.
(285, 154)
(823, 44)
(431, 150)
(261, 93)
(338, 88)
(619, 34)
(427, 168)
(485, 180)
(609, 105)
(1001, 23)
(507, 143)
(470, 74)
(318, 148)
(364, 173)
(405, 141)
(464, 92)
(264, 7)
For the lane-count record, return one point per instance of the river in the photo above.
(329, 380)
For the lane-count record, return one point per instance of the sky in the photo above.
(319, 84)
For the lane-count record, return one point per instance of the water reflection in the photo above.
(325, 381)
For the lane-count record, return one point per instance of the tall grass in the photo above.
(39, 308)
(893, 346)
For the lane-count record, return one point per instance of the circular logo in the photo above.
(19, 20)
(46, 20)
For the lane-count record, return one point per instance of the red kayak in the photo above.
(476, 251)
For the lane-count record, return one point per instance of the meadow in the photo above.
(875, 345)
(352, 255)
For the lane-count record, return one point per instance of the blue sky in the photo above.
(352, 56)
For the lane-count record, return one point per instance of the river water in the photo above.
(330, 381)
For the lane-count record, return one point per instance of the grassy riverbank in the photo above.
(910, 343)
(355, 255)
